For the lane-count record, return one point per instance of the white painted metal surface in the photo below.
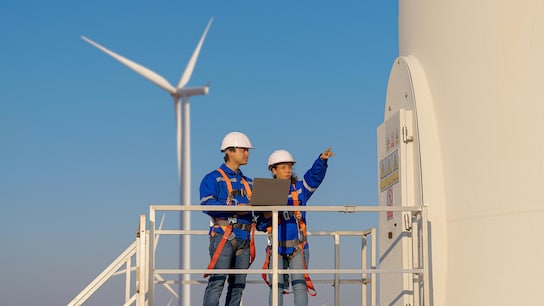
(396, 184)
(475, 71)
(402, 243)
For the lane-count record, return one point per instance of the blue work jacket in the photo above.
(288, 228)
(214, 191)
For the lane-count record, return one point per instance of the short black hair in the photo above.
(226, 157)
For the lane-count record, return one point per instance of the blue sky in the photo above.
(88, 145)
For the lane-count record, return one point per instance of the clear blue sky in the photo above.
(87, 144)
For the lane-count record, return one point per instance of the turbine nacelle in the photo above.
(191, 91)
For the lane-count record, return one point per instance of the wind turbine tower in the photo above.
(181, 95)
(463, 125)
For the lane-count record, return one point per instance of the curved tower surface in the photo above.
(469, 75)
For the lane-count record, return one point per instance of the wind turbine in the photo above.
(181, 95)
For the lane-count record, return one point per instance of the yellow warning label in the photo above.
(389, 170)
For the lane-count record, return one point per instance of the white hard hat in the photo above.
(236, 139)
(280, 156)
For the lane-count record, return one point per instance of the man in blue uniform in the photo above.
(230, 232)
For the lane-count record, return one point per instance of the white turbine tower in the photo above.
(181, 95)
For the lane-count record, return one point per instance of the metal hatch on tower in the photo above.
(395, 172)
(402, 235)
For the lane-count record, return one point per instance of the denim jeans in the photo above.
(233, 256)
(298, 282)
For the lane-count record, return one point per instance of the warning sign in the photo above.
(389, 170)
(389, 203)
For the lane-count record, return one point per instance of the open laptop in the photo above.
(269, 192)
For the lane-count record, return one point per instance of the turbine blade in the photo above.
(191, 65)
(143, 71)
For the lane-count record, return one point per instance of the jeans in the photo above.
(298, 282)
(235, 255)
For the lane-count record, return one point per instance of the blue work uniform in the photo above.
(288, 227)
(236, 254)
(214, 191)
(290, 237)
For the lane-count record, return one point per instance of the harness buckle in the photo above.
(286, 215)
(239, 192)
(233, 219)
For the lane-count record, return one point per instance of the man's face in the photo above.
(239, 156)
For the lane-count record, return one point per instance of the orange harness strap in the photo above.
(302, 227)
(228, 228)
(309, 284)
(229, 184)
(266, 262)
(220, 246)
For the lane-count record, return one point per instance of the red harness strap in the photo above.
(227, 230)
(302, 227)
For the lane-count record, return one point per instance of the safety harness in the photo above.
(229, 224)
(298, 244)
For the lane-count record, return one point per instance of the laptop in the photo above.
(269, 192)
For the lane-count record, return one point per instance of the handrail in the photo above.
(147, 276)
(275, 271)
(123, 259)
(111, 270)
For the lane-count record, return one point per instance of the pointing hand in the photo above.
(327, 154)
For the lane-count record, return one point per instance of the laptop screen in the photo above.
(269, 192)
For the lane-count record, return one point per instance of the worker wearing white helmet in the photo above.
(236, 140)
(292, 239)
(231, 242)
(278, 157)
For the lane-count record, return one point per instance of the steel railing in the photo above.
(147, 276)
